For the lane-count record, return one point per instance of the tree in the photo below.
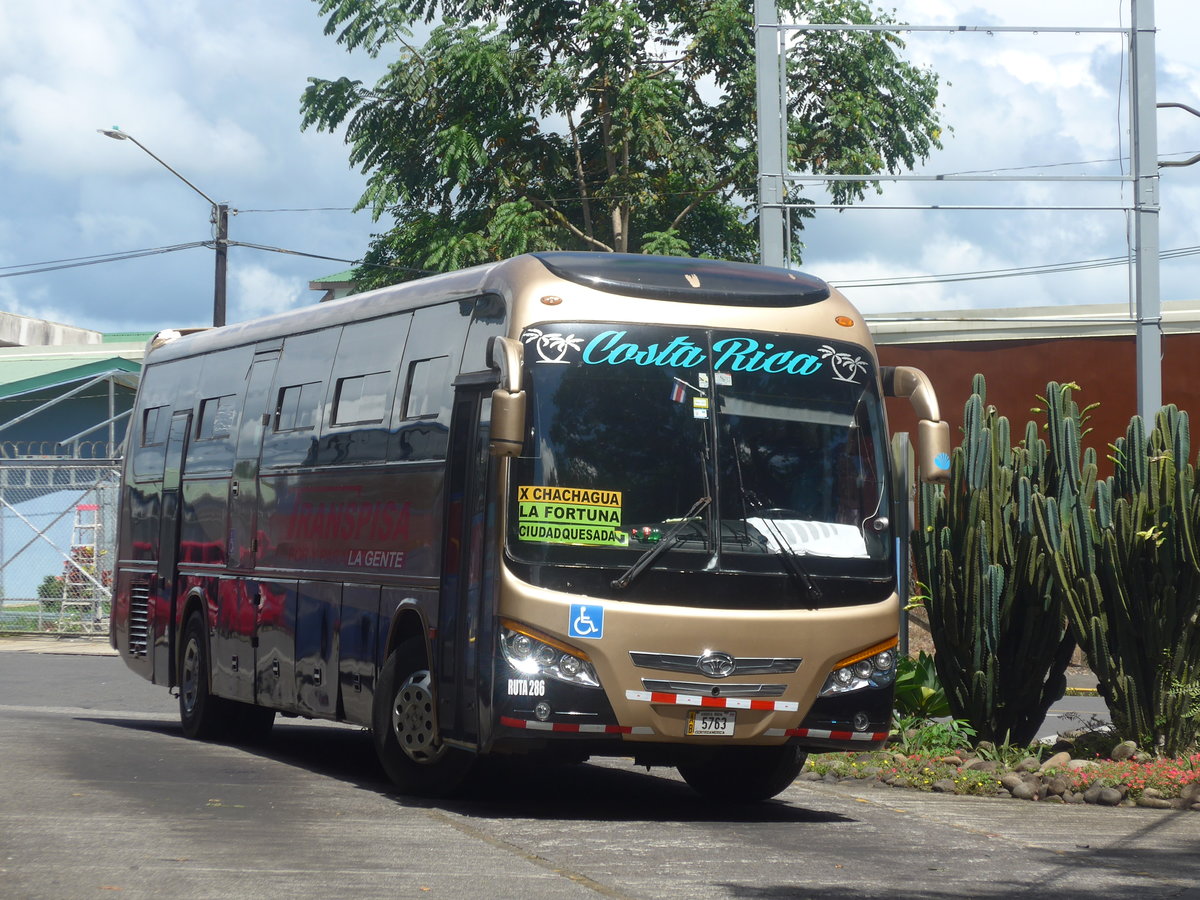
(609, 125)
(51, 588)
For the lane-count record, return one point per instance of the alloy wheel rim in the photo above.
(414, 720)
(189, 682)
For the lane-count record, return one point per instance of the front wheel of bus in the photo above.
(743, 774)
(203, 716)
(404, 727)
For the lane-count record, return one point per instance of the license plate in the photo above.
(717, 722)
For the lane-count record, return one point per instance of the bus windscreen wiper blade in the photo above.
(791, 561)
(667, 541)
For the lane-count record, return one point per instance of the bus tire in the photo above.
(404, 728)
(203, 716)
(743, 774)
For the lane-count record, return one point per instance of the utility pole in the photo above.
(1144, 150)
(772, 124)
(220, 219)
(221, 215)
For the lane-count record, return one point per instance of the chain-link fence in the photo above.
(57, 543)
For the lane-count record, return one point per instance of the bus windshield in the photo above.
(737, 448)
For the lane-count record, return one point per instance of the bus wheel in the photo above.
(743, 774)
(404, 727)
(203, 716)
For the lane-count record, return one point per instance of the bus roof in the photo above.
(670, 278)
(685, 279)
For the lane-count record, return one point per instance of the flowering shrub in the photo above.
(922, 771)
(1168, 776)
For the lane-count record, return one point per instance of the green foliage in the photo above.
(919, 692)
(51, 588)
(1008, 755)
(1128, 568)
(606, 126)
(918, 736)
(998, 624)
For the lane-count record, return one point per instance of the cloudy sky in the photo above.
(213, 86)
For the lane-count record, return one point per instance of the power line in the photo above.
(353, 262)
(297, 209)
(1016, 272)
(76, 262)
(895, 281)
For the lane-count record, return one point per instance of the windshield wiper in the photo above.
(790, 560)
(668, 540)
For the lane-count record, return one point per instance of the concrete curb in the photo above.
(89, 645)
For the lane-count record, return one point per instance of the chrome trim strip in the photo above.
(724, 690)
(747, 665)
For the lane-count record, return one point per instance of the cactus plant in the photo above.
(997, 622)
(1129, 573)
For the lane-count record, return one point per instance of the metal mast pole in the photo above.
(221, 217)
(1144, 150)
(772, 122)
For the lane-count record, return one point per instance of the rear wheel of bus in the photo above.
(743, 774)
(404, 727)
(203, 716)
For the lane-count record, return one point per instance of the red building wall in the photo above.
(1017, 371)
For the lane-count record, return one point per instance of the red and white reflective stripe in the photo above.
(572, 727)
(713, 702)
(827, 735)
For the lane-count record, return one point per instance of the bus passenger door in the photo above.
(243, 486)
(243, 669)
(465, 609)
(168, 549)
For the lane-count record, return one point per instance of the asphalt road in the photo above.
(100, 795)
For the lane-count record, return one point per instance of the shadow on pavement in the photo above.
(502, 788)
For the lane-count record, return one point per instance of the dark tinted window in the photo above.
(427, 393)
(297, 406)
(298, 398)
(218, 415)
(752, 450)
(156, 423)
(360, 399)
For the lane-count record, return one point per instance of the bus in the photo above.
(570, 504)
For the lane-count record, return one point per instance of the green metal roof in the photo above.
(29, 374)
(340, 277)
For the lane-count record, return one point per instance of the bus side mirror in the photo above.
(507, 436)
(933, 435)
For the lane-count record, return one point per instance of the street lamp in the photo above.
(220, 217)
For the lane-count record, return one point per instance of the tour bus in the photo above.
(569, 504)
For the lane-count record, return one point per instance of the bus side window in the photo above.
(359, 399)
(298, 399)
(219, 384)
(426, 410)
(362, 395)
(432, 355)
(296, 408)
(489, 319)
(150, 452)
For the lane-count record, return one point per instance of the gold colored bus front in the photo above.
(820, 638)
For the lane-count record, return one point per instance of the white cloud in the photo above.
(257, 291)
(212, 87)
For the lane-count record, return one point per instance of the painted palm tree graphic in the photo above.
(845, 366)
(548, 343)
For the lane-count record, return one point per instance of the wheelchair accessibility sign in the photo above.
(587, 621)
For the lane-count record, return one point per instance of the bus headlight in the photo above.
(536, 655)
(874, 667)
